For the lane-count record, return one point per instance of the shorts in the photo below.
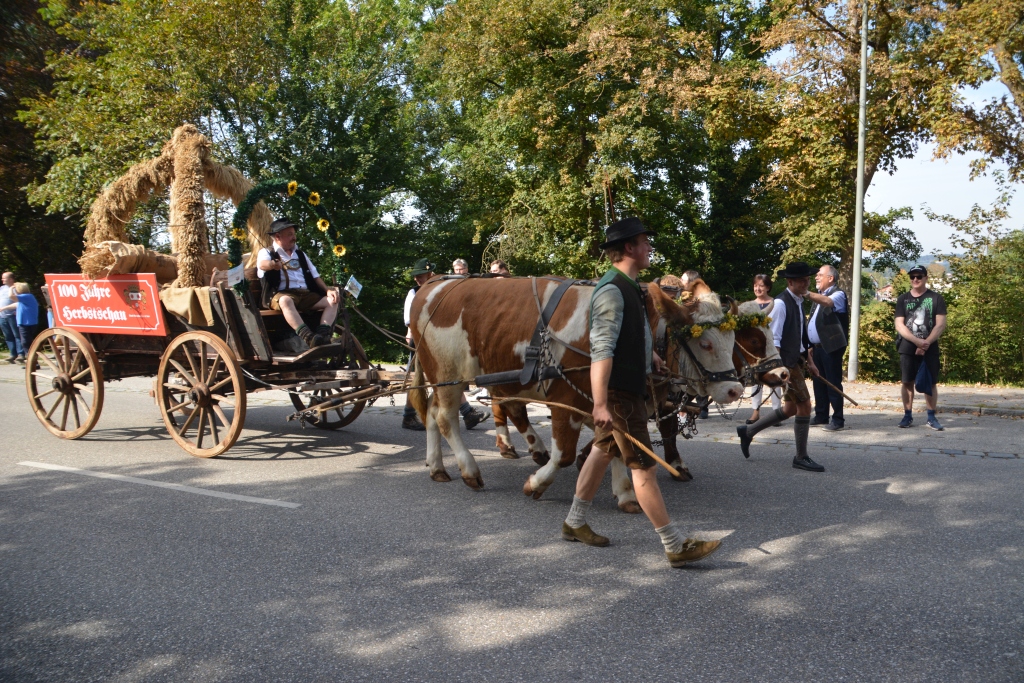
(797, 389)
(629, 414)
(910, 363)
(303, 298)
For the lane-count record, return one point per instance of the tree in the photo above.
(31, 242)
(307, 89)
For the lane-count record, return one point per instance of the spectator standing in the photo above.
(763, 297)
(8, 317)
(500, 268)
(460, 267)
(789, 328)
(26, 310)
(920, 321)
(826, 331)
(422, 271)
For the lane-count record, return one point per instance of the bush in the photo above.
(877, 358)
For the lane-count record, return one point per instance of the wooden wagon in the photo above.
(202, 374)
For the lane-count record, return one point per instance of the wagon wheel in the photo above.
(201, 394)
(355, 359)
(60, 368)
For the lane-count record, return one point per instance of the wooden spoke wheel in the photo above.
(201, 394)
(336, 418)
(64, 382)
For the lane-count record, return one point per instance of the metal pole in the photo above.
(858, 231)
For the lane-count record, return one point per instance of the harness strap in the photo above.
(533, 351)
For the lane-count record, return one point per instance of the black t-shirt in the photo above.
(918, 313)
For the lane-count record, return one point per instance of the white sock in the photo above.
(670, 538)
(578, 512)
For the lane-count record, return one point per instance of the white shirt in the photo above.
(779, 315)
(291, 278)
(408, 306)
(6, 299)
(838, 297)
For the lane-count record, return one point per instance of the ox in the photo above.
(464, 327)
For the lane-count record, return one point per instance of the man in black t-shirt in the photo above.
(920, 321)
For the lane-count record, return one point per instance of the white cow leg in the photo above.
(450, 427)
(434, 460)
(622, 487)
(565, 434)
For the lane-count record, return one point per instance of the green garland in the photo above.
(728, 323)
(299, 193)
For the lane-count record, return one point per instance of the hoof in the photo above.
(631, 507)
(528, 489)
(540, 457)
(476, 483)
(507, 452)
(684, 472)
(440, 475)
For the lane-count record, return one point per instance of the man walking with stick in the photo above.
(621, 355)
(789, 327)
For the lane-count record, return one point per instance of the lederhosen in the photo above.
(627, 385)
(793, 348)
(272, 278)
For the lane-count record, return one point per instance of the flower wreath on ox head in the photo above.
(726, 323)
(300, 194)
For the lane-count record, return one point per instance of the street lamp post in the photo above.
(858, 231)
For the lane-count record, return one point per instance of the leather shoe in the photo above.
(807, 464)
(413, 423)
(475, 417)
(745, 440)
(692, 551)
(833, 427)
(819, 421)
(584, 535)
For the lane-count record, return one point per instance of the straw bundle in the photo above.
(116, 258)
(185, 166)
(116, 204)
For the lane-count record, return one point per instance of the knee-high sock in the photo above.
(578, 512)
(671, 538)
(801, 426)
(771, 417)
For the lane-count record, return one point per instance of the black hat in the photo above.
(619, 231)
(918, 269)
(797, 269)
(279, 225)
(422, 267)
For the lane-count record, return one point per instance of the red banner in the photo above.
(119, 304)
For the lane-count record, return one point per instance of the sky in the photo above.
(943, 185)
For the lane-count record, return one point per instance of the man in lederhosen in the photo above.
(621, 356)
(789, 328)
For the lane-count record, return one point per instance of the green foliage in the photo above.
(984, 341)
(877, 358)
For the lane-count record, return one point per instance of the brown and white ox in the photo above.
(464, 327)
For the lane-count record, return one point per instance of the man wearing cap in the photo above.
(422, 271)
(920, 321)
(621, 356)
(291, 284)
(789, 328)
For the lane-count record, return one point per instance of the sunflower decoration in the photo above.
(340, 250)
(323, 224)
(239, 234)
(293, 187)
(314, 198)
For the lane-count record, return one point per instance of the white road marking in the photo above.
(160, 484)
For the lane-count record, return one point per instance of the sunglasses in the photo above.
(917, 277)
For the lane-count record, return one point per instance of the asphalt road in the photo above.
(894, 565)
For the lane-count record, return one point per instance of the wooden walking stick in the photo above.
(644, 448)
(837, 390)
